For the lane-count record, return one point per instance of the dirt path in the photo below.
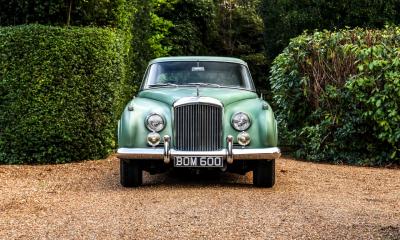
(309, 201)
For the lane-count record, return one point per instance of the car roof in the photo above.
(198, 59)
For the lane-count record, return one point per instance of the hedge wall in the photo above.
(61, 90)
(337, 96)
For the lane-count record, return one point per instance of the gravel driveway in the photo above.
(309, 201)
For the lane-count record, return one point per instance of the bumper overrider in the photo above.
(230, 154)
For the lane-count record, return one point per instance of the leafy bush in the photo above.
(287, 19)
(61, 91)
(338, 94)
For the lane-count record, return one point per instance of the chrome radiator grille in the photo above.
(198, 127)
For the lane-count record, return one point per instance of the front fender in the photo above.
(132, 131)
(263, 130)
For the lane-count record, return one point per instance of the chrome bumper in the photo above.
(230, 154)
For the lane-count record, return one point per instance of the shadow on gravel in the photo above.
(180, 178)
(390, 232)
(193, 179)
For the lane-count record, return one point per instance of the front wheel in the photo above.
(131, 173)
(264, 174)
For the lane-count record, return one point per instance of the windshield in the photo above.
(213, 74)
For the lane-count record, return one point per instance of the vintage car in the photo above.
(197, 113)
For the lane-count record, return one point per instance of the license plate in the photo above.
(195, 161)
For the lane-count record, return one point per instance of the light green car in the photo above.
(197, 113)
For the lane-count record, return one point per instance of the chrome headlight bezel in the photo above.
(155, 127)
(240, 121)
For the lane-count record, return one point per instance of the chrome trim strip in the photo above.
(238, 153)
(256, 153)
(219, 153)
(204, 100)
(140, 153)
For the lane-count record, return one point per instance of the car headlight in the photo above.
(155, 122)
(153, 139)
(240, 121)
(243, 138)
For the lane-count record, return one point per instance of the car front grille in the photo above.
(198, 127)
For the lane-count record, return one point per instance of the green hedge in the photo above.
(337, 96)
(61, 90)
(284, 20)
(109, 13)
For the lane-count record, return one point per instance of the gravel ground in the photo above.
(309, 201)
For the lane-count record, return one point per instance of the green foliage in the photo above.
(222, 28)
(193, 26)
(61, 92)
(337, 95)
(285, 19)
(158, 27)
(240, 34)
(64, 12)
(148, 31)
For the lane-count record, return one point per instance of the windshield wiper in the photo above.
(163, 85)
(204, 84)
